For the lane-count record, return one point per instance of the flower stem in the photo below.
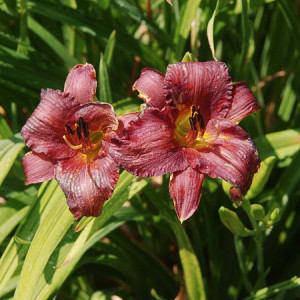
(258, 242)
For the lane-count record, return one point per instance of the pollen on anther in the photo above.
(70, 131)
(78, 132)
(80, 122)
(85, 129)
(192, 123)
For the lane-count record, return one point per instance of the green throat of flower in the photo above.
(81, 138)
(190, 130)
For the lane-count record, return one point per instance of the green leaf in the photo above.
(191, 268)
(5, 131)
(183, 27)
(96, 229)
(210, 27)
(56, 222)
(9, 150)
(109, 49)
(104, 86)
(125, 106)
(52, 42)
(11, 222)
(281, 144)
(15, 252)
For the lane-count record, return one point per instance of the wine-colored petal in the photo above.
(99, 116)
(38, 167)
(243, 103)
(148, 147)
(204, 84)
(123, 123)
(87, 186)
(150, 87)
(186, 189)
(230, 154)
(235, 194)
(44, 130)
(81, 83)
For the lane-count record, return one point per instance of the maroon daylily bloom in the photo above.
(190, 129)
(67, 133)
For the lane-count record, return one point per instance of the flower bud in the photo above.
(231, 220)
(261, 177)
(275, 215)
(257, 211)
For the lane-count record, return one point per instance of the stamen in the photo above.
(80, 122)
(193, 110)
(78, 132)
(192, 123)
(70, 145)
(201, 121)
(70, 131)
(85, 130)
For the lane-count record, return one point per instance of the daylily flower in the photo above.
(66, 133)
(189, 129)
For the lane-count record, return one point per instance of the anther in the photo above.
(192, 123)
(85, 130)
(70, 131)
(193, 110)
(200, 119)
(78, 132)
(80, 122)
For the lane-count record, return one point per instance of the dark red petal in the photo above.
(44, 130)
(243, 103)
(204, 84)
(232, 156)
(150, 87)
(99, 116)
(81, 83)
(235, 194)
(123, 123)
(37, 167)
(148, 147)
(186, 190)
(87, 186)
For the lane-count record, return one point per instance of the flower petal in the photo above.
(232, 155)
(87, 186)
(148, 147)
(186, 190)
(99, 116)
(81, 83)
(243, 103)
(204, 84)
(150, 87)
(44, 130)
(123, 123)
(37, 167)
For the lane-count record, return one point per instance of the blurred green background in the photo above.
(141, 251)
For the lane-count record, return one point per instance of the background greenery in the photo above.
(141, 251)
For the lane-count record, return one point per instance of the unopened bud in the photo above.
(275, 215)
(257, 211)
(231, 220)
(261, 177)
